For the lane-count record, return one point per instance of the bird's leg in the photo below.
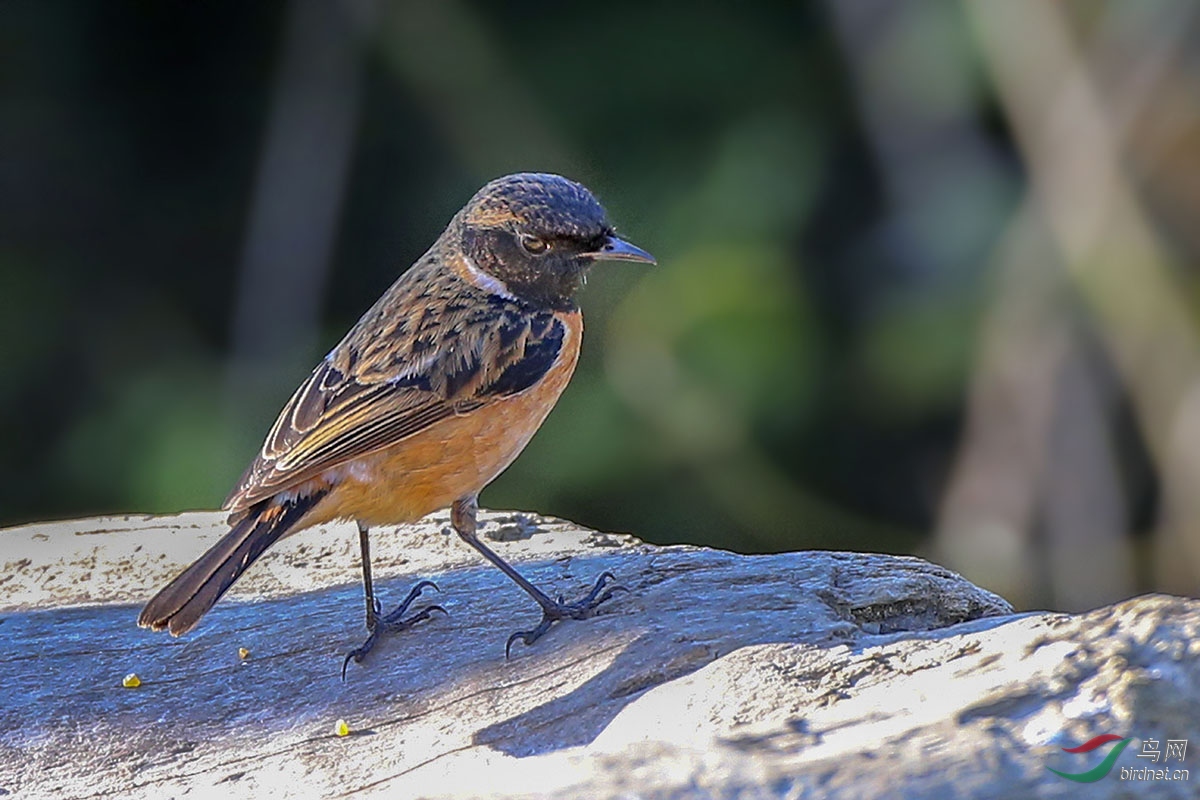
(463, 518)
(377, 623)
(364, 544)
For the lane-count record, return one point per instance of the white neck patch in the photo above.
(488, 283)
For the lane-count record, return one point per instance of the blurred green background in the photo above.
(927, 273)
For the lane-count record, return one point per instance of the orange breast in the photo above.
(453, 458)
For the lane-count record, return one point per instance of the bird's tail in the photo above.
(182, 602)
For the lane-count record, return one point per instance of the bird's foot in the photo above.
(581, 609)
(393, 622)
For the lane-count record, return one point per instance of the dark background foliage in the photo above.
(200, 198)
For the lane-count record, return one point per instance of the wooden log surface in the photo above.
(434, 711)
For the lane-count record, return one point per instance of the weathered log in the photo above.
(816, 674)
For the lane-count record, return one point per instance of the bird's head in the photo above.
(537, 235)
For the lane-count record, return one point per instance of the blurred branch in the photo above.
(299, 187)
(1104, 239)
(990, 506)
(928, 143)
(1039, 452)
(913, 91)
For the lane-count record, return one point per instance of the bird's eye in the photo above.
(533, 245)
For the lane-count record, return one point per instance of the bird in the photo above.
(427, 399)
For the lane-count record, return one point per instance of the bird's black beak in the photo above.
(615, 249)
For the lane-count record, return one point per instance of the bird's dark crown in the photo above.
(544, 204)
(534, 233)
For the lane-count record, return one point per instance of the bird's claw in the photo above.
(395, 621)
(561, 610)
(359, 653)
(392, 623)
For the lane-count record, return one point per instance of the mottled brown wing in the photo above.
(352, 404)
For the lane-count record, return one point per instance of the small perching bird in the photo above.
(429, 397)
